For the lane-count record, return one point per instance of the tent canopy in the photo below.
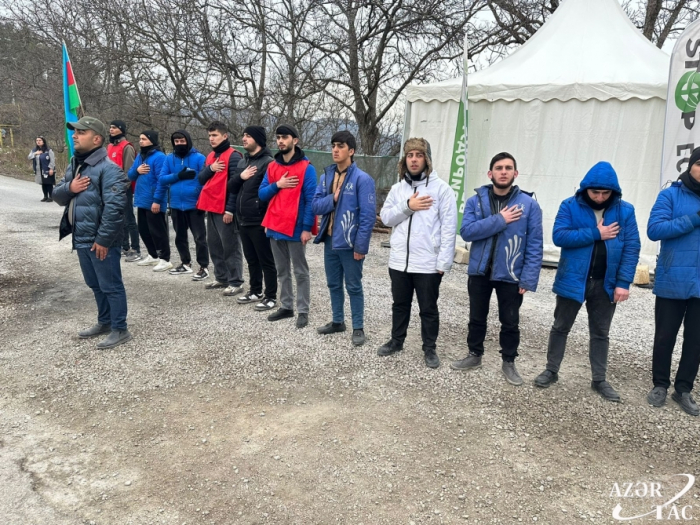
(586, 87)
(588, 49)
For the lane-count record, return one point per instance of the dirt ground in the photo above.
(212, 415)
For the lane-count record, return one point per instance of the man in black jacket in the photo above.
(250, 212)
(223, 239)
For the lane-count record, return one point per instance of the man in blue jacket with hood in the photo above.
(179, 176)
(599, 240)
(504, 225)
(153, 225)
(675, 221)
(345, 197)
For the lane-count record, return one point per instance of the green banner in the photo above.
(458, 173)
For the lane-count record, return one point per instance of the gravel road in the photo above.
(214, 415)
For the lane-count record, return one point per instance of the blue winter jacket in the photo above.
(183, 193)
(305, 216)
(146, 185)
(355, 211)
(576, 231)
(675, 222)
(517, 257)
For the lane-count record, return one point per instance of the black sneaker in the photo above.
(471, 362)
(249, 298)
(202, 274)
(265, 305)
(546, 379)
(431, 358)
(281, 313)
(389, 348)
(331, 328)
(181, 270)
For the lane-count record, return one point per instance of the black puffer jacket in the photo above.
(98, 212)
(250, 210)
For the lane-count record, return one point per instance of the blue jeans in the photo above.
(339, 263)
(104, 278)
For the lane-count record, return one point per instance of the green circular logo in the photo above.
(688, 92)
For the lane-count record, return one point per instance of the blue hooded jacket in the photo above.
(576, 231)
(183, 193)
(355, 211)
(675, 222)
(517, 256)
(146, 184)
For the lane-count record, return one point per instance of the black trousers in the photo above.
(668, 315)
(427, 288)
(154, 233)
(600, 316)
(193, 220)
(509, 301)
(130, 230)
(261, 262)
(47, 189)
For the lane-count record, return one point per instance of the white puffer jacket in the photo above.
(421, 241)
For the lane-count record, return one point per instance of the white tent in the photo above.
(586, 87)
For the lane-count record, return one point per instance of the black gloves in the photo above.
(186, 174)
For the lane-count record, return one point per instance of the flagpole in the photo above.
(458, 172)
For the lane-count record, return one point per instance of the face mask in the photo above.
(181, 150)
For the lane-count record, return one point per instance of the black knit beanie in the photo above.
(152, 136)
(258, 134)
(119, 124)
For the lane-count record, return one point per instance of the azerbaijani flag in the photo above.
(71, 97)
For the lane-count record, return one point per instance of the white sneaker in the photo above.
(265, 304)
(162, 266)
(148, 261)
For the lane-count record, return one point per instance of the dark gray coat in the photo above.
(98, 212)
